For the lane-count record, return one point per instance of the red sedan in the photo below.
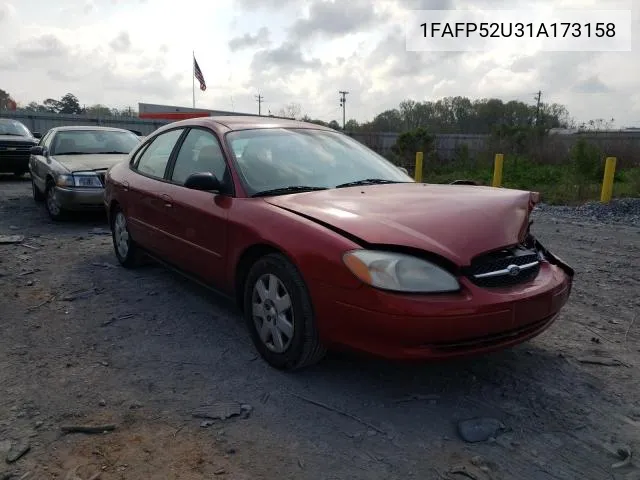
(323, 243)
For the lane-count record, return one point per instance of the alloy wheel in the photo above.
(273, 313)
(121, 234)
(52, 203)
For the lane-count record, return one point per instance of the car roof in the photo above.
(89, 127)
(226, 123)
(10, 120)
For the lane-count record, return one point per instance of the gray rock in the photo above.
(480, 429)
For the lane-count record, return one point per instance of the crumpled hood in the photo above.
(457, 222)
(76, 163)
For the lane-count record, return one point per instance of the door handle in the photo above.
(167, 200)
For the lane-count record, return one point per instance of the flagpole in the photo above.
(193, 77)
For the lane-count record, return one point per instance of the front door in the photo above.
(197, 219)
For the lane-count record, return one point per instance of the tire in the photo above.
(124, 247)
(296, 344)
(55, 211)
(38, 196)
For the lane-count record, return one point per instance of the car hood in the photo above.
(77, 163)
(13, 138)
(457, 222)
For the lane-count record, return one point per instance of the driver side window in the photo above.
(199, 153)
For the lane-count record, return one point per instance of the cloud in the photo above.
(46, 46)
(301, 51)
(286, 58)
(265, 4)
(260, 39)
(7, 12)
(121, 43)
(592, 84)
(334, 19)
(65, 67)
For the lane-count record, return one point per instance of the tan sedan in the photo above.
(68, 166)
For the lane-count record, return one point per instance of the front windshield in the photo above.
(282, 157)
(77, 142)
(13, 127)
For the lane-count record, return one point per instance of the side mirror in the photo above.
(406, 172)
(206, 181)
(37, 135)
(37, 150)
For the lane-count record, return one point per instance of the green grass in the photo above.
(557, 184)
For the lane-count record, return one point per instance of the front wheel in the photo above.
(37, 194)
(54, 209)
(279, 314)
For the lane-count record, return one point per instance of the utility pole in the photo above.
(260, 99)
(538, 97)
(343, 101)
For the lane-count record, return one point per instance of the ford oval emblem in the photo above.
(513, 270)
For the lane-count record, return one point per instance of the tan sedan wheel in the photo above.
(55, 211)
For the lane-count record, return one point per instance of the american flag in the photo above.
(198, 74)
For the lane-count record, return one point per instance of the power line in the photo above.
(343, 101)
(260, 99)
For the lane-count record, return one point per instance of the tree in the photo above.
(99, 110)
(52, 105)
(334, 124)
(292, 110)
(34, 107)
(6, 102)
(69, 104)
(416, 140)
(351, 125)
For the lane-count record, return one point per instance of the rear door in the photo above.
(146, 204)
(198, 219)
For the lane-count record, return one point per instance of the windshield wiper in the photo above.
(367, 181)
(284, 190)
(14, 134)
(69, 153)
(111, 152)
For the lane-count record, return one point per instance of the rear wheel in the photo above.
(125, 248)
(279, 314)
(54, 209)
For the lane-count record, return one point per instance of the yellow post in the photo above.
(419, 160)
(497, 170)
(607, 181)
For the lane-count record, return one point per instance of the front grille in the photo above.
(500, 269)
(15, 152)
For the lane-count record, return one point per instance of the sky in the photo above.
(121, 52)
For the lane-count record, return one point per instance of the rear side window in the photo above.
(154, 159)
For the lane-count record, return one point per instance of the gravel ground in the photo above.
(624, 211)
(85, 342)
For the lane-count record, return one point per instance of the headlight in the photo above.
(85, 180)
(399, 272)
